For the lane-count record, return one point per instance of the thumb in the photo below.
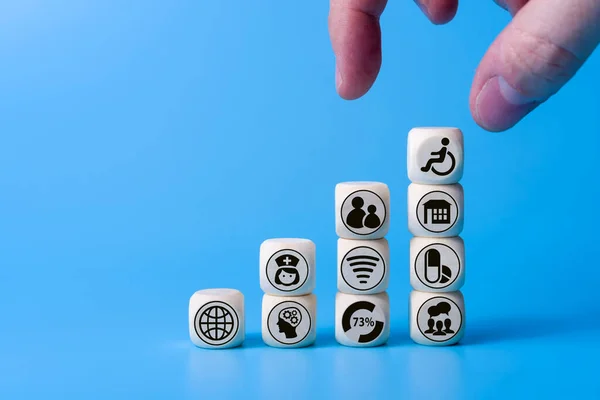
(536, 54)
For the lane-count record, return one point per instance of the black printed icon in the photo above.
(363, 212)
(437, 266)
(216, 323)
(439, 319)
(363, 268)
(437, 211)
(287, 270)
(363, 322)
(289, 319)
(438, 157)
(289, 322)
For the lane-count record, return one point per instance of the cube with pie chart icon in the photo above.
(362, 210)
(362, 320)
(289, 321)
(437, 319)
(437, 264)
(435, 210)
(435, 155)
(216, 318)
(363, 266)
(287, 266)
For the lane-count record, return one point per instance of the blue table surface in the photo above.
(147, 148)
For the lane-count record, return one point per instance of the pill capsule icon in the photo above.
(433, 266)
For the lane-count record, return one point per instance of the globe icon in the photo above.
(216, 323)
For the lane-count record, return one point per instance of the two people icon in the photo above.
(358, 218)
(439, 158)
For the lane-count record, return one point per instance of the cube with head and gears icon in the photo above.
(289, 321)
(287, 267)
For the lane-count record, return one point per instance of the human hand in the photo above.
(543, 46)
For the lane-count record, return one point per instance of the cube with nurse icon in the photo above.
(362, 210)
(287, 266)
(435, 155)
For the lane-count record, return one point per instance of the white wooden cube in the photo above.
(437, 319)
(362, 320)
(362, 210)
(363, 266)
(435, 155)
(287, 267)
(435, 210)
(216, 318)
(289, 322)
(437, 264)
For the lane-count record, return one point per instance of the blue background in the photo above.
(147, 148)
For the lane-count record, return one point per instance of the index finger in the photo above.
(356, 39)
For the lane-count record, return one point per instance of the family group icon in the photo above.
(287, 266)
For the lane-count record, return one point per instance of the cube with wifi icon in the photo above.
(363, 266)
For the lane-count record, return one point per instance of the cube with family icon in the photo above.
(435, 210)
(435, 155)
(287, 266)
(437, 264)
(289, 321)
(363, 266)
(437, 319)
(362, 210)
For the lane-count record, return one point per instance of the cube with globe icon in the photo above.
(289, 321)
(216, 318)
(287, 266)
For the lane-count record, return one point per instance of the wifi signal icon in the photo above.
(363, 268)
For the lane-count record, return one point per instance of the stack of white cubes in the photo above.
(288, 278)
(435, 218)
(362, 306)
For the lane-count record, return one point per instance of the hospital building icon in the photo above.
(438, 210)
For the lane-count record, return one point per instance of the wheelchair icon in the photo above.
(440, 158)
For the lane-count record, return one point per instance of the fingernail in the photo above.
(338, 78)
(500, 107)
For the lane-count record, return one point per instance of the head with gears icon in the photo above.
(287, 274)
(289, 319)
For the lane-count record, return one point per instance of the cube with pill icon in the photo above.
(437, 264)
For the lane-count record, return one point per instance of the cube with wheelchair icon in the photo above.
(435, 155)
